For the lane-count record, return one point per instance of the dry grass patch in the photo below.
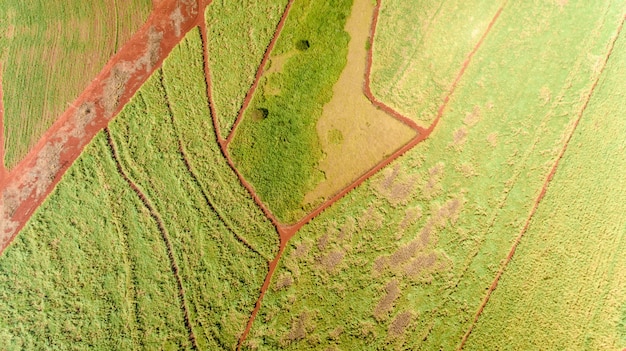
(364, 130)
(392, 292)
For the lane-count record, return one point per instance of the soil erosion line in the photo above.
(544, 187)
(164, 234)
(259, 72)
(29, 182)
(194, 177)
(286, 232)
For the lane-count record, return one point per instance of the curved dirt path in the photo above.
(543, 189)
(286, 232)
(29, 183)
(164, 235)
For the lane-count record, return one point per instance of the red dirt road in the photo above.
(28, 184)
(544, 188)
(286, 232)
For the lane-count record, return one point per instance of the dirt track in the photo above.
(164, 235)
(286, 232)
(543, 190)
(28, 184)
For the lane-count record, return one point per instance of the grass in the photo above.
(238, 34)
(279, 154)
(50, 52)
(567, 273)
(350, 124)
(437, 222)
(92, 269)
(417, 53)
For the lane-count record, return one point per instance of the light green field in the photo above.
(50, 51)
(565, 287)
(91, 270)
(238, 34)
(400, 263)
(419, 49)
(276, 147)
(404, 261)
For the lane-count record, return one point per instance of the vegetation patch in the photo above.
(279, 155)
(50, 52)
(467, 205)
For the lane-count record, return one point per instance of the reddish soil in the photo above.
(286, 232)
(544, 188)
(28, 184)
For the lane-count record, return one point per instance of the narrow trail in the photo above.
(183, 154)
(544, 187)
(286, 232)
(3, 170)
(164, 234)
(26, 186)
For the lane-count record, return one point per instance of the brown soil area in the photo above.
(28, 184)
(544, 188)
(366, 130)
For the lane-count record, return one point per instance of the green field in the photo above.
(567, 275)
(418, 53)
(92, 267)
(403, 261)
(276, 146)
(150, 236)
(50, 51)
(238, 34)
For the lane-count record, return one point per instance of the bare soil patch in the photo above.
(27, 185)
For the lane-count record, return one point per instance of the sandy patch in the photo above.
(368, 135)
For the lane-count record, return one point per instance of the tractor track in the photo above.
(287, 231)
(194, 177)
(162, 229)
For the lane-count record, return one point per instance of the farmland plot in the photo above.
(50, 52)
(208, 243)
(404, 261)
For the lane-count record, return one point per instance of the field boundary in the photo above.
(183, 153)
(25, 188)
(162, 229)
(543, 188)
(287, 231)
